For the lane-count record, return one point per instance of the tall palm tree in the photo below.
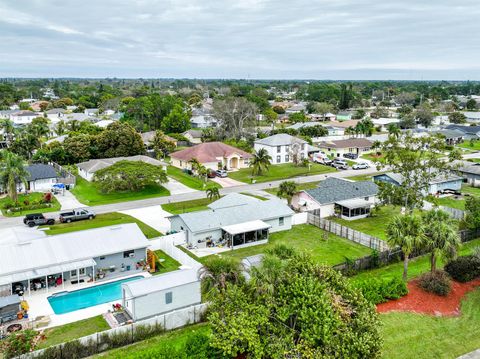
(260, 162)
(441, 236)
(393, 130)
(195, 164)
(8, 130)
(407, 233)
(286, 190)
(217, 272)
(12, 171)
(212, 193)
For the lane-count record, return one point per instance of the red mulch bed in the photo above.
(419, 301)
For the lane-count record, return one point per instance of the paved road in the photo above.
(125, 206)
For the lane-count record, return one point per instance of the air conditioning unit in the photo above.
(131, 255)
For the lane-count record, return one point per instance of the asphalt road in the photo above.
(6, 222)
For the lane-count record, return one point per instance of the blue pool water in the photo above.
(67, 302)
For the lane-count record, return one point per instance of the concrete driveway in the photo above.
(68, 201)
(176, 187)
(154, 216)
(227, 182)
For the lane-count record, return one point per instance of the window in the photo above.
(127, 254)
(279, 149)
(367, 198)
(73, 273)
(287, 148)
(168, 297)
(102, 258)
(287, 158)
(180, 163)
(81, 271)
(281, 221)
(278, 159)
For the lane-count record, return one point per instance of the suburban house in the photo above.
(384, 122)
(202, 119)
(332, 131)
(439, 184)
(147, 138)
(33, 261)
(350, 200)
(193, 136)
(322, 116)
(160, 294)
(337, 148)
(55, 114)
(472, 116)
(23, 117)
(233, 221)
(283, 148)
(41, 177)
(469, 132)
(87, 169)
(452, 136)
(470, 171)
(213, 155)
(296, 107)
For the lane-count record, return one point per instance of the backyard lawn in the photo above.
(64, 333)
(101, 220)
(31, 198)
(89, 194)
(187, 206)
(474, 145)
(367, 177)
(409, 335)
(279, 172)
(188, 180)
(451, 202)
(300, 187)
(310, 239)
(168, 265)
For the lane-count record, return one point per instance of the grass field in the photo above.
(31, 197)
(188, 180)
(89, 194)
(168, 265)
(102, 220)
(451, 202)
(408, 335)
(300, 187)
(310, 239)
(474, 146)
(187, 206)
(279, 172)
(64, 333)
(364, 177)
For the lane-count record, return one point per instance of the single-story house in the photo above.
(213, 155)
(23, 117)
(439, 184)
(470, 171)
(193, 136)
(383, 122)
(234, 221)
(351, 200)
(41, 177)
(202, 119)
(452, 136)
(337, 148)
(35, 261)
(472, 116)
(87, 169)
(147, 138)
(55, 114)
(283, 148)
(322, 116)
(148, 297)
(297, 107)
(469, 132)
(332, 130)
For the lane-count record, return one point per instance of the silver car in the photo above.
(360, 166)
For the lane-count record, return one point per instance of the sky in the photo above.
(248, 39)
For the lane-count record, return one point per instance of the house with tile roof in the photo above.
(213, 155)
(351, 200)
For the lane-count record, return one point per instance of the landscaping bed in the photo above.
(168, 265)
(34, 202)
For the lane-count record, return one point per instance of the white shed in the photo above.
(160, 294)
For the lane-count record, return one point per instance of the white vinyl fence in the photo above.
(168, 245)
(300, 218)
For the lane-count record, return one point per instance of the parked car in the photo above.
(37, 219)
(322, 160)
(221, 173)
(327, 161)
(340, 164)
(352, 156)
(76, 215)
(360, 166)
(212, 174)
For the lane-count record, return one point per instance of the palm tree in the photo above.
(441, 236)
(195, 164)
(393, 130)
(407, 233)
(260, 162)
(217, 272)
(212, 193)
(8, 130)
(286, 190)
(12, 171)
(60, 128)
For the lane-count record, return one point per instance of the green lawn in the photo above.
(168, 265)
(64, 333)
(375, 226)
(279, 172)
(364, 177)
(372, 157)
(175, 338)
(89, 194)
(451, 202)
(475, 160)
(471, 190)
(188, 180)
(468, 145)
(408, 335)
(300, 187)
(31, 197)
(187, 206)
(310, 239)
(102, 220)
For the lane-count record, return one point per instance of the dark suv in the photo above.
(37, 219)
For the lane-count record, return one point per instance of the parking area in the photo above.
(227, 182)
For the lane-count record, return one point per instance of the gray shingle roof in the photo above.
(212, 219)
(40, 171)
(280, 139)
(334, 189)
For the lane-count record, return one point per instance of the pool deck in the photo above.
(39, 305)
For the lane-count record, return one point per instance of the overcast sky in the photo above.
(295, 39)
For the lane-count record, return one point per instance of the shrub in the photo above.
(18, 343)
(464, 269)
(377, 290)
(198, 346)
(437, 282)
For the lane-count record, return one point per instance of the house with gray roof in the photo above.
(437, 185)
(283, 148)
(41, 177)
(233, 221)
(351, 200)
(469, 132)
(452, 136)
(470, 171)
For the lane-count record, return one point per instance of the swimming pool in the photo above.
(66, 302)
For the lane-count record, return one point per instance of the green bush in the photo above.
(378, 290)
(437, 282)
(18, 343)
(464, 269)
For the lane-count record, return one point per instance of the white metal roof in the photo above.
(246, 227)
(354, 203)
(36, 255)
(160, 282)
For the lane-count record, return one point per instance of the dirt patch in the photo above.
(419, 301)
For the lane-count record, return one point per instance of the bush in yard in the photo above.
(437, 282)
(18, 343)
(464, 269)
(377, 290)
(47, 197)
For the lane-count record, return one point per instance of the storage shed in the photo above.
(160, 294)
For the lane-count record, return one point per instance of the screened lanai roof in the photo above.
(354, 203)
(246, 227)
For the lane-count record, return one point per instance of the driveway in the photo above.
(227, 182)
(154, 216)
(68, 201)
(176, 187)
